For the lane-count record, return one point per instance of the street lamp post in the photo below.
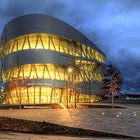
(89, 91)
(34, 91)
(75, 87)
(69, 72)
(67, 98)
(73, 72)
(75, 98)
(20, 92)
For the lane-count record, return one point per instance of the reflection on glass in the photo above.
(51, 42)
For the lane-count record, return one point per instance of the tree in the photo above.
(112, 83)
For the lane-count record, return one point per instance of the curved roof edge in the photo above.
(33, 23)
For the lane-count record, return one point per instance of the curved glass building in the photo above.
(45, 60)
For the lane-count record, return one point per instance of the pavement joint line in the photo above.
(86, 118)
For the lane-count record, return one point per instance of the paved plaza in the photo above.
(120, 121)
(19, 136)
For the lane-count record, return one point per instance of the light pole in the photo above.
(34, 90)
(73, 71)
(89, 90)
(76, 80)
(69, 72)
(20, 91)
(19, 81)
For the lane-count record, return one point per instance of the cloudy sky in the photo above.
(113, 25)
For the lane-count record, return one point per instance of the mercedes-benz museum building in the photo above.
(45, 60)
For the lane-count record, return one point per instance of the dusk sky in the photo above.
(113, 25)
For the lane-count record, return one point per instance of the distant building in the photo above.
(43, 57)
(132, 97)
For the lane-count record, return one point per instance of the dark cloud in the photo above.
(10, 9)
(113, 25)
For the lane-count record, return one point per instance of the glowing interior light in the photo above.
(30, 73)
(70, 70)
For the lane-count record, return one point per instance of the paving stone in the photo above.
(100, 119)
(19, 136)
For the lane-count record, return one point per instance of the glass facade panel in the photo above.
(42, 95)
(35, 71)
(84, 57)
(51, 42)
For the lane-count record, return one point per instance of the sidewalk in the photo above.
(19, 136)
(119, 121)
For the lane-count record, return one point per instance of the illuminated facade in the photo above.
(45, 60)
